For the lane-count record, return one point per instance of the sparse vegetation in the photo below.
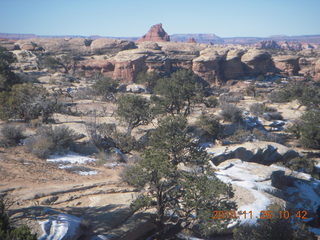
(49, 140)
(105, 87)
(307, 129)
(231, 113)
(210, 125)
(11, 135)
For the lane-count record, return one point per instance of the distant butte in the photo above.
(155, 34)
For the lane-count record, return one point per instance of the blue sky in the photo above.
(226, 18)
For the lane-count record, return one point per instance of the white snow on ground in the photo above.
(87, 173)
(238, 173)
(69, 160)
(60, 227)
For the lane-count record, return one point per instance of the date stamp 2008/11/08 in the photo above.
(220, 215)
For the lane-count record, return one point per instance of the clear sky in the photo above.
(226, 18)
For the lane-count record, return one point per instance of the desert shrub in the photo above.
(270, 116)
(150, 79)
(242, 135)
(105, 136)
(273, 228)
(27, 102)
(11, 135)
(230, 97)
(259, 108)
(307, 130)
(210, 125)
(251, 90)
(7, 77)
(301, 164)
(211, 102)
(49, 140)
(231, 113)
(105, 87)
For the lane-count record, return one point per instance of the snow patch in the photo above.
(60, 227)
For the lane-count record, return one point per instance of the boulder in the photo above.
(135, 88)
(257, 62)
(155, 34)
(287, 64)
(262, 152)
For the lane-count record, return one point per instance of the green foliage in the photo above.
(148, 78)
(301, 164)
(105, 136)
(11, 135)
(134, 110)
(7, 77)
(211, 102)
(178, 92)
(177, 195)
(105, 87)
(231, 113)
(27, 102)
(7, 232)
(66, 61)
(307, 93)
(307, 129)
(50, 140)
(210, 125)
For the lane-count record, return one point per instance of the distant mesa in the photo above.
(155, 34)
(191, 40)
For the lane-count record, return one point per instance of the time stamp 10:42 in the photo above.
(219, 215)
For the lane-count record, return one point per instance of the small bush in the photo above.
(259, 108)
(307, 130)
(270, 116)
(105, 87)
(210, 125)
(49, 140)
(301, 164)
(11, 135)
(230, 97)
(231, 113)
(242, 135)
(211, 102)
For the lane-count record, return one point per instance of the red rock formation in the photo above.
(155, 34)
(257, 62)
(191, 40)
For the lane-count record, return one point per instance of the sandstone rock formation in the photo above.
(207, 66)
(257, 62)
(233, 68)
(287, 64)
(317, 71)
(155, 34)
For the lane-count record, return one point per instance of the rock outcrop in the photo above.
(155, 34)
(264, 153)
(287, 64)
(207, 66)
(257, 62)
(191, 40)
(233, 68)
(317, 71)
